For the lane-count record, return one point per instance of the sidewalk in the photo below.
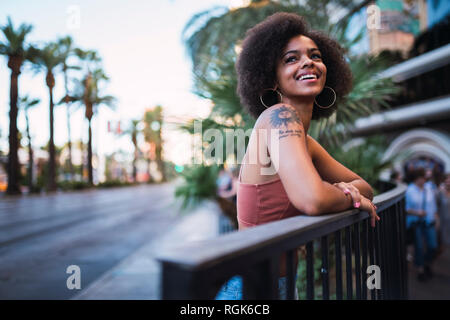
(138, 276)
(437, 288)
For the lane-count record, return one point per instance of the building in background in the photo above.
(418, 124)
(398, 23)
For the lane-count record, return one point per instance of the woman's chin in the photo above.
(308, 95)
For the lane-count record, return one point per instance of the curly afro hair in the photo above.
(261, 50)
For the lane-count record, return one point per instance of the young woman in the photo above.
(287, 76)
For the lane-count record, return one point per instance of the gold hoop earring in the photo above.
(274, 90)
(334, 99)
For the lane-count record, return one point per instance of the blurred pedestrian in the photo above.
(434, 178)
(227, 185)
(396, 176)
(224, 182)
(227, 194)
(444, 210)
(421, 209)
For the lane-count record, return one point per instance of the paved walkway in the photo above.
(138, 276)
(437, 288)
(40, 236)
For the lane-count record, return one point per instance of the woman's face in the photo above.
(301, 71)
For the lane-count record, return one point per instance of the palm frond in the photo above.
(15, 39)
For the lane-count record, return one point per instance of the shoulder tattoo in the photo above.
(283, 116)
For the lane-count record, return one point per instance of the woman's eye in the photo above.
(318, 56)
(290, 59)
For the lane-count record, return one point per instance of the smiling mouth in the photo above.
(309, 76)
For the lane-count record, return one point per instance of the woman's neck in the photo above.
(304, 109)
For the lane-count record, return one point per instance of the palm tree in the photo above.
(87, 92)
(15, 48)
(48, 58)
(67, 49)
(134, 131)
(26, 104)
(153, 119)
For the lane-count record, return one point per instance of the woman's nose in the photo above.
(307, 62)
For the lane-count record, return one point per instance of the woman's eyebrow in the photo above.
(297, 51)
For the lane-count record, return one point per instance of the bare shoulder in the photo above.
(279, 116)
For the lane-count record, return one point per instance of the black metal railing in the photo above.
(197, 270)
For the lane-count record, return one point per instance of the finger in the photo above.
(344, 188)
(374, 218)
(341, 186)
(356, 196)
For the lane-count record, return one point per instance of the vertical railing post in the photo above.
(310, 271)
(403, 272)
(379, 256)
(372, 253)
(364, 259)
(348, 263)
(403, 232)
(386, 244)
(291, 272)
(324, 269)
(261, 280)
(338, 255)
(356, 245)
(178, 283)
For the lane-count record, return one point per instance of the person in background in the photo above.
(396, 176)
(444, 209)
(434, 178)
(223, 182)
(421, 209)
(230, 191)
(227, 193)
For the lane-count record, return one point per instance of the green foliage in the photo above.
(48, 57)
(301, 273)
(72, 185)
(15, 44)
(199, 184)
(365, 158)
(169, 171)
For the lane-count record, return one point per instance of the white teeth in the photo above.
(308, 76)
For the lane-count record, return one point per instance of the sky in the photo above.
(143, 54)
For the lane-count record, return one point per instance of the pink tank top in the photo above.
(262, 203)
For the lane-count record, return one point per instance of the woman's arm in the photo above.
(334, 172)
(288, 152)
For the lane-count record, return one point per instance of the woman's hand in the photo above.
(359, 201)
(350, 189)
(368, 206)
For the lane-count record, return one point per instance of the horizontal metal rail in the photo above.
(197, 270)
